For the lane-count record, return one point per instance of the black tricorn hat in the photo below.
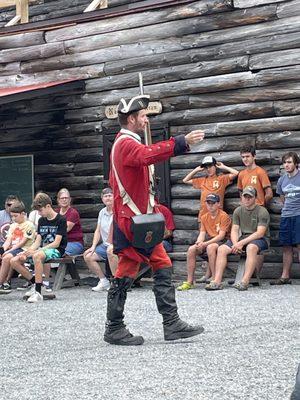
(137, 103)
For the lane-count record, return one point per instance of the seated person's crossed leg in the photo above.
(250, 234)
(214, 226)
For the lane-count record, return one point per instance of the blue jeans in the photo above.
(74, 248)
(101, 251)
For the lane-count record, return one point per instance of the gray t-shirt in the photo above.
(104, 220)
(249, 220)
(290, 189)
(5, 221)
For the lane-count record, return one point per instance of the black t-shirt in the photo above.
(48, 229)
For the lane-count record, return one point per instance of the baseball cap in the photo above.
(208, 160)
(215, 198)
(250, 191)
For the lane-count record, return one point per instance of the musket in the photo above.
(147, 131)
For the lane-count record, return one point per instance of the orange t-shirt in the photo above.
(213, 225)
(211, 184)
(258, 178)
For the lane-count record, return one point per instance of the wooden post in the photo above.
(96, 4)
(22, 10)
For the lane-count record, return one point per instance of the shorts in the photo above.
(262, 244)
(50, 254)
(289, 231)
(74, 248)
(15, 252)
(101, 251)
(167, 246)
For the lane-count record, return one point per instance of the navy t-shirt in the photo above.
(48, 229)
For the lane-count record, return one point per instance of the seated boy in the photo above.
(20, 237)
(215, 224)
(50, 243)
(249, 233)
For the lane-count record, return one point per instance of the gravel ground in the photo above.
(54, 350)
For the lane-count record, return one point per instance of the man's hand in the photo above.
(194, 137)
(200, 246)
(237, 248)
(91, 250)
(220, 165)
(28, 253)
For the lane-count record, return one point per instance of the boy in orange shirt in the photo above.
(215, 225)
(211, 183)
(254, 176)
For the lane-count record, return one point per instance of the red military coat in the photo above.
(131, 160)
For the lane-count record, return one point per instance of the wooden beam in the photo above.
(96, 4)
(22, 10)
(10, 3)
(14, 21)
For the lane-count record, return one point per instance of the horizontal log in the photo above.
(188, 222)
(282, 26)
(262, 125)
(278, 91)
(188, 237)
(21, 40)
(32, 52)
(92, 71)
(173, 28)
(215, 114)
(289, 107)
(274, 59)
(177, 175)
(32, 120)
(192, 206)
(235, 48)
(187, 71)
(162, 53)
(78, 142)
(288, 9)
(53, 170)
(10, 68)
(282, 140)
(194, 9)
(73, 183)
(269, 271)
(84, 115)
(263, 157)
(63, 156)
(83, 197)
(252, 3)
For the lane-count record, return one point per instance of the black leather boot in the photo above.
(115, 330)
(164, 290)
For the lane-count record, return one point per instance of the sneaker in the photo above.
(36, 297)
(30, 291)
(48, 288)
(7, 285)
(185, 286)
(102, 286)
(25, 286)
(4, 289)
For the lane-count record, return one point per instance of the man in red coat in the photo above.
(133, 191)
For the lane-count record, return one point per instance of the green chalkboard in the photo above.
(16, 177)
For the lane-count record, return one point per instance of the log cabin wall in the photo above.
(230, 67)
(42, 10)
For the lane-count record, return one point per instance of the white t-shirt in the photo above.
(104, 220)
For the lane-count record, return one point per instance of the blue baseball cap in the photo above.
(215, 198)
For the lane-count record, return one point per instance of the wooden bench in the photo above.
(240, 261)
(66, 265)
